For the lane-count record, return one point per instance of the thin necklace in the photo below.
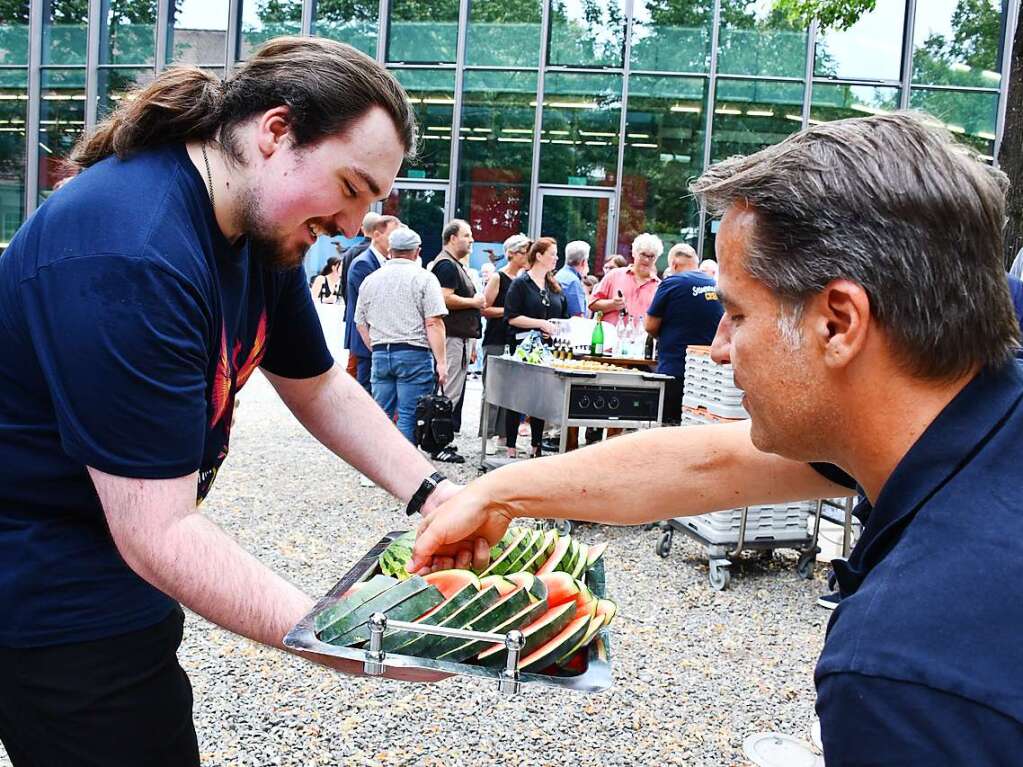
(209, 176)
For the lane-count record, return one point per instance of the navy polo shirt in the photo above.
(689, 309)
(923, 662)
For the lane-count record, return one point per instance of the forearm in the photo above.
(454, 303)
(602, 305)
(659, 474)
(493, 312)
(364, 335)
(438, 344)
(526, 323)
(336, 410)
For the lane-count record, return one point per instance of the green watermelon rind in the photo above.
(422, 646)
(536, 587)
(488, 620)
(379, 603)
(536, 538)
(554, 649)
(408, 609)
(497, 655)
(499, 566)
(329, 615)
(525, 616)
(550, 539)
(395, 640)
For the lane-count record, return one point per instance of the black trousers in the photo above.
(116, 702)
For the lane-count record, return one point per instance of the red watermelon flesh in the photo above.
(450, 582)
(561, 588)
(548, 654)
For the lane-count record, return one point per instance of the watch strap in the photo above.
(428, 485)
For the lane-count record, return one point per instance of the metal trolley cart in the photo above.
(726, 534)
(594, 677)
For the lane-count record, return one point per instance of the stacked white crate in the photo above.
(710, 396)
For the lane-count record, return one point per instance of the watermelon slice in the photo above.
(583, 599)
(596, 552)
(501, 545)
(607, 609)
(548, 654)
(450, 582)
(561, 588)
(394, 558)
(533, 544)
(421, 645)
(561, 548)
(502, 584)
(394, 640)
(536, 587)
(488, 620)
(523, 617)
(352, 599)
(542, 553)
(594, 625)
(540, 631)
(499, 566)
(579, 566)
(398, 602)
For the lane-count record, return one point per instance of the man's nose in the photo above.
(721, 348)
(349, 222)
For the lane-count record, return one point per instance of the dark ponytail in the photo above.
(326, 85)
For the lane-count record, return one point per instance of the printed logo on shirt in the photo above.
(709, 292)
(228, 379)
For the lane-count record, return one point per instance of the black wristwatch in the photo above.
(420, 496)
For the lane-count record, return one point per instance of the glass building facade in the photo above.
(572, 118)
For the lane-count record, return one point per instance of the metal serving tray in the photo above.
(595, 678)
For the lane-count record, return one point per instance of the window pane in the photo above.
(958, 43)
(130, 35)
(264, 20)
(664, 137)
(756, 39)
(837, 102)
(672, 36)
(65, 33)
(566, 217)
(498, 111)
(61, 121)
(355, 22)
(432, 93)
(423, 32)
(586, 34)
(197, 33)
(14, 34)
(749, 115)
(581, 116)
(504, 33)
(113, 84)
(13, 102)
(871, 49)
(970, 116)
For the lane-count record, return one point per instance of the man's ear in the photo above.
(273, 130)
(840, 321)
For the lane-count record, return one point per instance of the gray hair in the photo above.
(648, 243)
(369, 222)
(577, 252)
(682, 250)
(895, 205)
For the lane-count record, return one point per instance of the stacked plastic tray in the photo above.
(710, 386)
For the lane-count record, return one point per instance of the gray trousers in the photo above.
(495, 419)
(457, 351)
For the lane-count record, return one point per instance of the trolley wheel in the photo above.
(766, 555)
(664, 543)
(564, 527)
(719, 576)
(805, 563)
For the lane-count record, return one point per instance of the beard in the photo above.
(266, 244)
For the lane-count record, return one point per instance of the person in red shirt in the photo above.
(632, 287)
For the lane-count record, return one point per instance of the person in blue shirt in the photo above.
(685, 312)
(869, 322)
(570, 276)
(116, 401)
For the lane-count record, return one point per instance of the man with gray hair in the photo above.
(868, 319)
(400, 317)
(570, 276)
(681, 258)
(709, 267)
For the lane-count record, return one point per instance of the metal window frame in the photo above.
(708, 127)
(608, 193)
(1012, 10)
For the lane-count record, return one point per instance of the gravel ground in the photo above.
(695, 671)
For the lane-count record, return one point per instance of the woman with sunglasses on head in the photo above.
(534, 299)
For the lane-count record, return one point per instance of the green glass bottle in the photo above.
(597, 339)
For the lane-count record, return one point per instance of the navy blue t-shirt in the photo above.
(1016, 291)
(689, 309)
(923, 661)
(128, 324)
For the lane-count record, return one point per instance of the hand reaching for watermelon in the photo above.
(459, 533)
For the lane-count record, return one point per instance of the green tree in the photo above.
(975, 42)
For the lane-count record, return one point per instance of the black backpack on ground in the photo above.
(435, 427)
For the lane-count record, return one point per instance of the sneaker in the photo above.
(829, 601)
(448, 455)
